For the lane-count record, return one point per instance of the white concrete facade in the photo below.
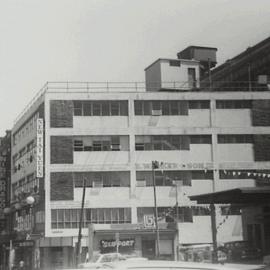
(208, 157)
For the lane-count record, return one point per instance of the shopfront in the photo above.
(133, 239)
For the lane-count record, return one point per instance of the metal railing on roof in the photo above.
(91, 87)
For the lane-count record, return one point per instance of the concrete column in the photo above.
(214, 143)
(132, 162)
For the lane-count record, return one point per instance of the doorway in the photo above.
(149, 249)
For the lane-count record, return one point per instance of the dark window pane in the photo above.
(165, 107)
(174, 63)
(138, 107)
(96, 108)
(105, 108)
(174, 108)
(77, 108)
(147, 108)
(123, 107)
(87, 108)
(115, 108)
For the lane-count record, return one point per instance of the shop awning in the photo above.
(245, 195)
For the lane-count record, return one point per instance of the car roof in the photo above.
(169, 264)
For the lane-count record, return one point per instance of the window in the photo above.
(162, 142)
(87, 108)
(165, 107)
(200, 211)
(96, 108)
(78, 145)
(105, 108)
(235, 138)
(230, 210)
(70, 218)
(174, 63)
(77, 108)
(102, 179)
(199, 104)
(115, 108)
(104, 143)
(233, 104)
(200, 139)
(100, 108)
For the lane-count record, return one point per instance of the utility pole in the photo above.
(214, 232)
(155, 165)
(78, 247)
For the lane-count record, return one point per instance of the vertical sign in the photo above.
(39, 147)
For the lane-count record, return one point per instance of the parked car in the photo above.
(99, 259)
(241, 250)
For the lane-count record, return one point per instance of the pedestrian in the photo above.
(21, 266)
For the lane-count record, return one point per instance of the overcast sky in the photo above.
(112, 40)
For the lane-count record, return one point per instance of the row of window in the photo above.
(27, 184)
(25, 156)
(70, 218)
(27, 128)
(101, 108)
(102, 179)
(100, 143)
(170, 178)
(152, 107)
(157, 142)
(143, 178)
(169, 142)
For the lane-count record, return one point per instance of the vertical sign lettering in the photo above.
(39, 147)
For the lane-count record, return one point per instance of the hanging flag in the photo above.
(239, 173)
(225, 172)
(248, 174)
(234, 173)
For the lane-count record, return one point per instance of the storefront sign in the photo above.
(39, 147)
(177, 166)
(121, 243)
(149, 221)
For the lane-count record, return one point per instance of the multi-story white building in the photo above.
(109, 137)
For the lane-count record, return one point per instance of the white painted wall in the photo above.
(200, 230)
(234, 183)
(233, 118)
(171, 74)
(103, 157)
(99, 122)
(235, 152)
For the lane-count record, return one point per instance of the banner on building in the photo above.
(39, 155)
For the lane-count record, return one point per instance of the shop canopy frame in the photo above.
(243, 196)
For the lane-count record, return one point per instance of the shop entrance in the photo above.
(148, 248)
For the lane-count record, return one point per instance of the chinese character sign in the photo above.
(39, 147)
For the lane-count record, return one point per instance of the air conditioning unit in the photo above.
(156, 112)
(97, 184)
